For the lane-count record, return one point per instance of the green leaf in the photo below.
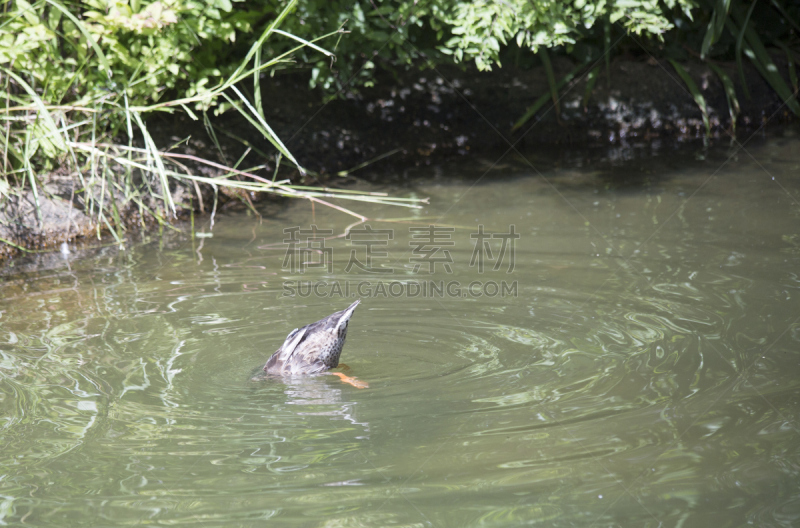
(761, 59)
(27, 11)
(695, 91)
(715, 26)
(730, 95)
(739, 41)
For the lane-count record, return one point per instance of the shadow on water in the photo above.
(643, 371)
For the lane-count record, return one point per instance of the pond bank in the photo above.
(435, 115)
(431, 116)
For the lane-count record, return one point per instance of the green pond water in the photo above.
(631, 359)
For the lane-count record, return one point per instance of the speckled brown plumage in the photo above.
(313, 348)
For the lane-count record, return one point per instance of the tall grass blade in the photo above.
(257, 84)
(114, 209)
(260, 42)
(761, 59)
(591, 79)
(129, 126)
(531, 111)
(367, 163)
(715, 26)
(551, 80)
(607, 48)
(790, 62)
(213, 135)
(101, 207)
(116, 236)
(89, 196)
(162, 174)
(304, 42)
(695, 91)
(730, 95)
(261, 125)
(10, 243)
(7, 147)
(277, 166)
(44, 114)
(739, 42)
(32, 177)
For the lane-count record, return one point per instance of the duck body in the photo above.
(313, 348)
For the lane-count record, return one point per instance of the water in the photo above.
(644, 371)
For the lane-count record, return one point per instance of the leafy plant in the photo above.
(396, 33)
(749, 29)
(78, 76)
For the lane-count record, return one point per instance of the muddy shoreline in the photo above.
(428, 117)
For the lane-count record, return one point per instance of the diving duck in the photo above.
(314, 348)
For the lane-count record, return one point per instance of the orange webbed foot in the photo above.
(357, 383)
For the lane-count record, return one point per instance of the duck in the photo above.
(314, 348)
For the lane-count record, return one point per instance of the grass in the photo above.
(41, 132)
